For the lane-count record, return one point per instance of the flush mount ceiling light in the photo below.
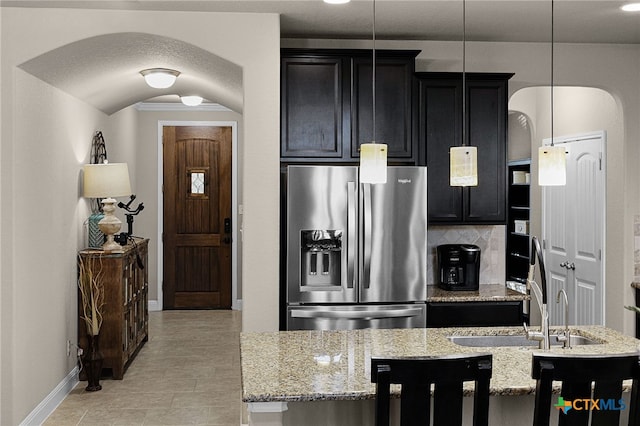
(631, 7)
(191, 100)
(336, 1)
(160, 78)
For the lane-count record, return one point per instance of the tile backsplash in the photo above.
(490, 239)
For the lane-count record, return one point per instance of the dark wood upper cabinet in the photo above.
(393, 104)
(440, 121)
(327, 104)
(312, 104)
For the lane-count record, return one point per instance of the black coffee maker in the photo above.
(458, 266)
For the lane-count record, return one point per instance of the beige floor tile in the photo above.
(114, 416)
(178, 416)
(66, 416)
(187, 373)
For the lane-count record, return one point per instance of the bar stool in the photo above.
(417, 374)
(585, 380)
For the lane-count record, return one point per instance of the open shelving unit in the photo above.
(518, 243)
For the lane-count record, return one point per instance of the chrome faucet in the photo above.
(540, 293)
(565, 337)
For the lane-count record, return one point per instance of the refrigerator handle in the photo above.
(351, 234)
(366, 238)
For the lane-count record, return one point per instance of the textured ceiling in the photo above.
(104, 70)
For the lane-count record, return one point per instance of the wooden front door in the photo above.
(197, 217)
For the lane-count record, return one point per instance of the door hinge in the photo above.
(544, 244)
(599, 254)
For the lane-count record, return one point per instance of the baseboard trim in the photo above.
(154, 305)
(237, 305)
(51, 402)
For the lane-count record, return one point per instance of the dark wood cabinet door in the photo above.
(393, 82)
(440, 115)
(440, 128)
(312, 107)
(474, 314)
(486, 123)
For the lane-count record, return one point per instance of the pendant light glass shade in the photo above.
(463, 166)
(552, 166)
(373, 163)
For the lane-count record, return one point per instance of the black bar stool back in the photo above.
(446, 374)
(586, 379)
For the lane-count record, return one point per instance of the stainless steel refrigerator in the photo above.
(356, 253)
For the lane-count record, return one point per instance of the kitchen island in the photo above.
(323, 377)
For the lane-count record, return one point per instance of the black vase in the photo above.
(93, 363)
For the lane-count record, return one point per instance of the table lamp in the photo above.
(106, 181)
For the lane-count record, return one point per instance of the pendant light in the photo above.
(552, 160)
(373, 156)
(463, 160)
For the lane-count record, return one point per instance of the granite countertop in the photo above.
(485, 293)
(299, 366)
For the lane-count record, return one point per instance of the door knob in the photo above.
(571, 266)
(563, 264)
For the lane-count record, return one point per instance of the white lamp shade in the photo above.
(373, 163)
(463, 166)
(552, 166)
(106, 180)
(160, 78)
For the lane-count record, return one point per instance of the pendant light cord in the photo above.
(464, 65)
(552, 55)
(373, 72)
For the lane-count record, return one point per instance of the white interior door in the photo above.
(573, 225)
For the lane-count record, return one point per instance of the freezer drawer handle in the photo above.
(391, 313)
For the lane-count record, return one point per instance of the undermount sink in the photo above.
(515, 340)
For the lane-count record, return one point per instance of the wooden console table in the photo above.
(125, 326)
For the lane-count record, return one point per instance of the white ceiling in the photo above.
(590, 21)
(576, 21)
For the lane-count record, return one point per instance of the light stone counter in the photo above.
(485, 293)
(310, 366)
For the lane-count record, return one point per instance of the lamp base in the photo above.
(111, 246)
(110, 225)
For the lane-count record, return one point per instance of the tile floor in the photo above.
(188, 373)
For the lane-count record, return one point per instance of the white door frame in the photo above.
(577, 138)
(236, 303)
